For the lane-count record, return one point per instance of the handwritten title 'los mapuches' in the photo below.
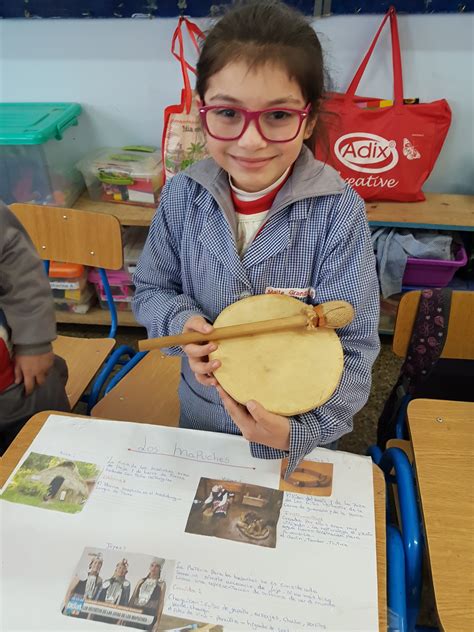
(184, 453)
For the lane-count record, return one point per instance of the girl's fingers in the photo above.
(204, 367)
(198, 351)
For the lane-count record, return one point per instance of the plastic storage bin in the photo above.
(71, 291)
(434, 272)
(121, 287)
(128, 175)
(38, 152)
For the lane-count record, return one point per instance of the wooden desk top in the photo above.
(442, 435)
(442, 211)
(22, 442)
(127, 214)
(439, 210)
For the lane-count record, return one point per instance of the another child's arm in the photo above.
(26, 300)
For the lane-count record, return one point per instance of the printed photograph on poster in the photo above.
(310, 477)
(119, 588)
(51, 482)
(235, 511)
(169, 623)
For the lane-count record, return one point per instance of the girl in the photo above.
(261, 215)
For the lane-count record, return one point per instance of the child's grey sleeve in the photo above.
(25, 293)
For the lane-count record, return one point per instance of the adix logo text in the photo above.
(366, 153)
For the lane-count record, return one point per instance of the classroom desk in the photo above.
(442, 435)
(34, 425)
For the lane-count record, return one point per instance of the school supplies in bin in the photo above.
(183, 137)
(129, 175)
(121, 287)
(38, 152)
(71, 290)
(385, 153)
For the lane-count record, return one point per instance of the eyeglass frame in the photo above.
(253, 115)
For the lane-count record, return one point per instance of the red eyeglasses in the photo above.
(275, 125)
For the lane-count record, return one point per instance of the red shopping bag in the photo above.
(385, 153)
(183, 139)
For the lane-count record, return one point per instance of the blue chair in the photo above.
(405, 542)
(396, 586)
(91, 239)
(144, 390)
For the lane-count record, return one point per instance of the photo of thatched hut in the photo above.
(64, 483)
(53, 483)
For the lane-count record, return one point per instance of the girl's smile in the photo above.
(253, 162)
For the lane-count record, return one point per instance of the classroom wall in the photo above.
(123, 74)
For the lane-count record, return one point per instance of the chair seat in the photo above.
(147, 394)
(84, 357)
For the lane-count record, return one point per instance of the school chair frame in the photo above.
(396, 588)
(395, 459)
(457, 346)
(145, 390)
(91, 239)
(128, 366)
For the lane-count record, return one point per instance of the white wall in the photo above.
(123, 74)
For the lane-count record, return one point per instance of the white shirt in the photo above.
(248, 225)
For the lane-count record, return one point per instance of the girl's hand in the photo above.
(198, 353)
(256, 423)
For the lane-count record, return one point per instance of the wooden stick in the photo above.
(333, 314)
(221, 333)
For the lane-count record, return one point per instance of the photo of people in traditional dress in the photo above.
(169, 623)
(235, 511)
(149, 592)
(87, 587)
(117, 588)
(310, 477)
(52, 482)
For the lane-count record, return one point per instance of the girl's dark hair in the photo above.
(266, 31)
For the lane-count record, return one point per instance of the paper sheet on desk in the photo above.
(295, 562)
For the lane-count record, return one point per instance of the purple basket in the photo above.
(433, 272)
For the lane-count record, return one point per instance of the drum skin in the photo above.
(289, 372)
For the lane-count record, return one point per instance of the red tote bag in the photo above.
(183, 139)
(385, 153)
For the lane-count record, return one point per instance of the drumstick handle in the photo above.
(221, 333)
(333, 314)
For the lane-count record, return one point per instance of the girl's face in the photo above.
(253, 162)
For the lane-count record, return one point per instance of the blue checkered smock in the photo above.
(315, 236)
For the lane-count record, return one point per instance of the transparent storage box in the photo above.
(128, 175)
(121, 287)
(38, 153)
(71, 290)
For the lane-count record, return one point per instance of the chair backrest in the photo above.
(73, 236)
(460, 340)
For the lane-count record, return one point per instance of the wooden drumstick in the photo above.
(333, 314)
